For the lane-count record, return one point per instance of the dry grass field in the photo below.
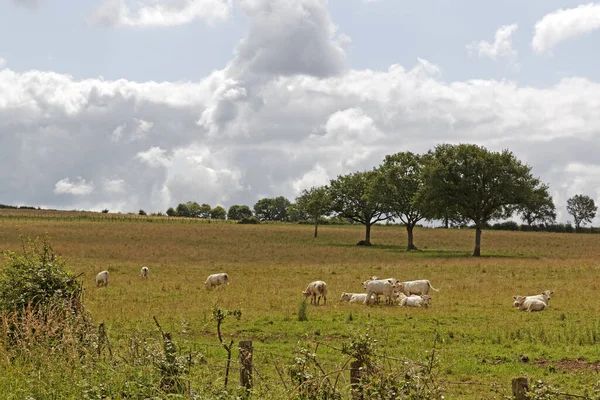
(481, 336)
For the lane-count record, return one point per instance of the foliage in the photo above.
(582, 208)
(315, 203)
(272, 209)
(397, 186)
(194, 209)
(218, 213)
(36, 277)
(353, 196)
(182, 210)
(238, 212)
(205, 210)
(171, 212)
(474, 183)
(296, 214)
(249, 220)
(303, 310)
(142, 212)
(105, 211)
(539, 208)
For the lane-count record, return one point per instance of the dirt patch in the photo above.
(571, 365)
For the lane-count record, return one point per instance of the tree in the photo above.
(171, 212)
(475, 184)
(295, 214)
(218, 213)
(205, 210)
(194, 208)
(105, 211)
(272, 209)
(238, 212)
(353, 197)
(316, 203)
(539, 207)
(582, 208)
(142, 212)
(398, 185)
(182, 210)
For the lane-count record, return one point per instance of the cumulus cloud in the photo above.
(77, 188)
(162, 13)
(502, 46)
(563, 24)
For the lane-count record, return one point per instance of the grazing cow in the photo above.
(416, 301)
(215, 280)
(144, 272)
(524, 303)
(314, 289)
(383, 287)
(416, 287)
(102, 279)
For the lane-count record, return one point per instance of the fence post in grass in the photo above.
(246, 364)
(355, 380)
(520, 388)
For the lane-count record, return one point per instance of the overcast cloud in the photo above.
(287, 112)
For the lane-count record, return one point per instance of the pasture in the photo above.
(481, 337)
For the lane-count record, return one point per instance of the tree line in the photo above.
(463, 184)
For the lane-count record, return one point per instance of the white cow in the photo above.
(353, 297)
(383, 287)
(416, 301)
(144, 272)
(314, 289)
(102, 278)
(545, 296)
(215, 280)
(416, 287)
(524, 303)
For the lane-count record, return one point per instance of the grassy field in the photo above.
(481, 337)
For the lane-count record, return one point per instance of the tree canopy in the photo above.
(353, 196)
(582, 208)
(238, 212)
(272, 209)
(397, 186)
(539, 208)
(315, 203)
(475, 183)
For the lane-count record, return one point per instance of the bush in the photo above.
(36, 277)
(105, 211)
(250, 220)
(142, 212)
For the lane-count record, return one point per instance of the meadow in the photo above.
(482, 341)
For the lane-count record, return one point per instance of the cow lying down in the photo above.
(355, 297)
(533, 303)
(414, 300)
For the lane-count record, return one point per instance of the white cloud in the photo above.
(562, 24)
(114, 185)
(77, 188)
(154, 157)
(161, 13)
(502, 46)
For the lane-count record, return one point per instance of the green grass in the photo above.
(481, 335)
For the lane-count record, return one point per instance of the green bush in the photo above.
(36, 277)
(249, 220)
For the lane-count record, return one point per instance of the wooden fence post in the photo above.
(246, 364)
(355, 380)
(520, 388)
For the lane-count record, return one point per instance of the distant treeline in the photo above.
(19, 207)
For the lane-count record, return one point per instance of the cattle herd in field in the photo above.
(405, 294)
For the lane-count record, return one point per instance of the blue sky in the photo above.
(126, 105)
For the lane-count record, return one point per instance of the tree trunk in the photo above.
(446, 222)
(411, 245)
(477, 251)
(367, 241)
(316, 227)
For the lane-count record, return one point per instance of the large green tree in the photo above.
(354, 196)
(397, 185)
(316, 203)
(194, 209)
(218, 213)
(205, 210)
(237, 212)
(539, 208)
(272, 209)
(476, 184)
(582, 208)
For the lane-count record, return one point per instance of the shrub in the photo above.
(249, 220)
(142, 212)
(36, 277)
(105, 211)
(302, 312)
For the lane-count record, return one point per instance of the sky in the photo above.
(146, 104)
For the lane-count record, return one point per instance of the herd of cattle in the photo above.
(405, 294)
